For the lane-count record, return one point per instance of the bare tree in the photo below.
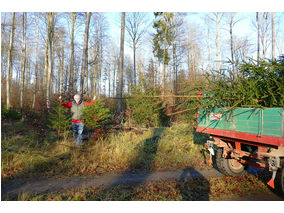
(258, 35)
(50, 33)
(84, 71)
(121, 56)
(231, 21)
(23, 59)
(136, 28)
(217, 17)
(273, 35)
(10, 60)
(71, 78)
(35, 72)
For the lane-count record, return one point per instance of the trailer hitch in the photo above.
(209, 147)
(274, 164)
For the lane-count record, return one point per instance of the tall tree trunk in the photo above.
(273, 36)
(109, 69)
(114, 77)
(10, 60)
(121, 56)
(217, 44)
(71, 78)
(61, 67)
(258, 36)
(164, 69)
(2, 49)
(35, 73)
(208, 46)
(134, 62)
(45, 65)
(50, 32)
(23, 60)
(232, 47)
(84, 71)
(100, 62)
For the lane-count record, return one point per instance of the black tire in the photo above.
(280, 181)
(228, 167)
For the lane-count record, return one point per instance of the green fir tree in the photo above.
(145, 111)
(60, 120)
(96, 115)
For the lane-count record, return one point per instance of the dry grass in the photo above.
(213, 189)
(29, 153)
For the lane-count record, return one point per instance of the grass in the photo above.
(213, 189)
(27, 152)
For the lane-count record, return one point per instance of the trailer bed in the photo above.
(259, 125)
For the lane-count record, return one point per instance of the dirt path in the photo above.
(63, 184)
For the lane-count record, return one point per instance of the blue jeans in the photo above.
(77, 131)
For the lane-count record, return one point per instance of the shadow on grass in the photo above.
(141, 164)
(193, 186)
(35, 160)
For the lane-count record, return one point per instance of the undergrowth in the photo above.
(26, 153)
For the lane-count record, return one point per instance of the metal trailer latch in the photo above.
(210, 147)
(274, 164)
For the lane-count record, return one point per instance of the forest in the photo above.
(148, 72)
(48, 54)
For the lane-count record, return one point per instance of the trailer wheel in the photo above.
(280, 180)
(229, 167)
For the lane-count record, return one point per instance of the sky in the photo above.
(243, 29)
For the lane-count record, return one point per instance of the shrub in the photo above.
(96, 115)
(255, 85)
(12, 114)
(60, 120)
(145, 111)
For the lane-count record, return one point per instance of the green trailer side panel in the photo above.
(267, 121)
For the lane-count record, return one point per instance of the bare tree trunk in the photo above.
(71, 78)
(109, 69)
(50, 32)
(273, 36)
(134, 62)
(100, 62)
(121, 56)
(23, 60)
(114, 77)
(217, 45)
(232, 46)
(84, 71)
(10, 60)
(35, 73)
(258, 36)
(164, 69)
(2, 49)
(45, 65)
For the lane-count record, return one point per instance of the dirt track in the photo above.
(63, 184)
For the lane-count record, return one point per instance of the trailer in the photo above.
(245, 136)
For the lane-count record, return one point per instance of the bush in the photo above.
(145, 111)
(60, 120)
(12, 114)
(96, 115)
(255, 85)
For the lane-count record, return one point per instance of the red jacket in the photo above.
(69, 105)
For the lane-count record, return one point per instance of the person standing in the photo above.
(77, 107)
